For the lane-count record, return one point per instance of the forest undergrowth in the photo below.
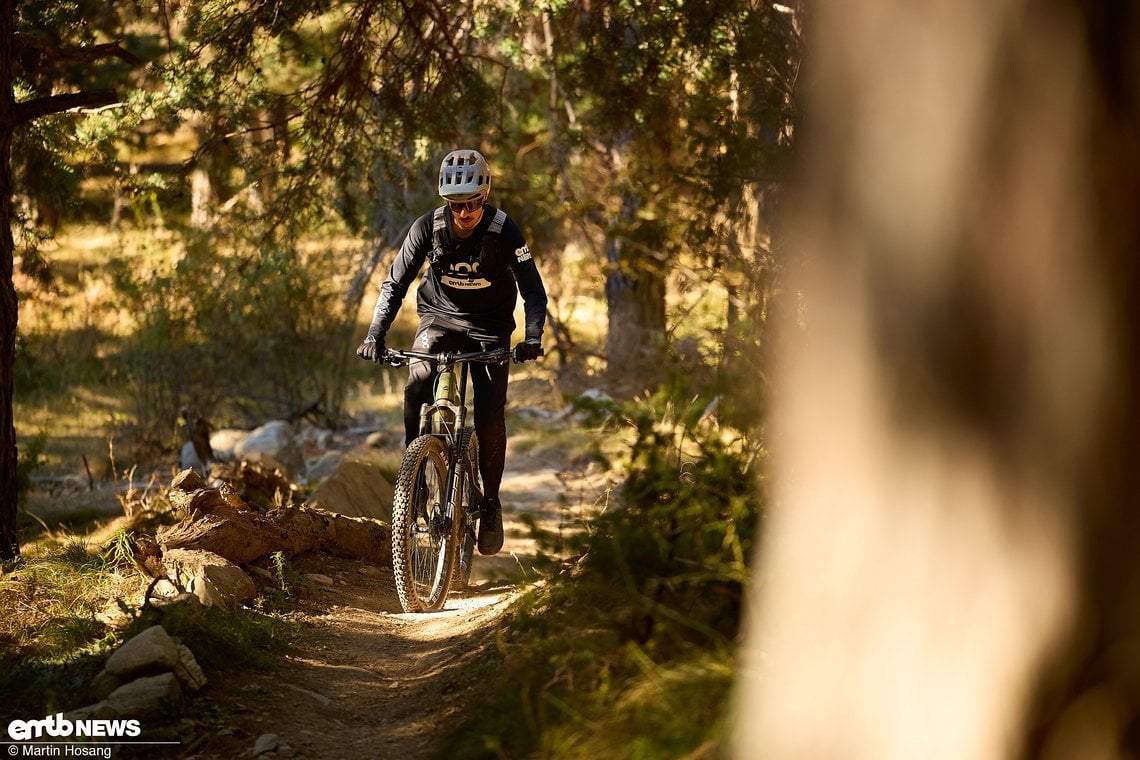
(631, 641)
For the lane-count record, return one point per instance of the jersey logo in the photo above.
(464, 276)
(522, 254)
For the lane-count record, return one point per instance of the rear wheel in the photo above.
(424, 537)
(472, 495)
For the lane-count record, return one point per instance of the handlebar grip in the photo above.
(514, 354)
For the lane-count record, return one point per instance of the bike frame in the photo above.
(450, 400)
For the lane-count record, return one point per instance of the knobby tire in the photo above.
(423, 544)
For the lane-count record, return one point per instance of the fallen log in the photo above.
(218, 521)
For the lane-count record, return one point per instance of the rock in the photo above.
(98, 711)
(324, 467)
(164, 589)
(152, 651)
(356, 489)
(216, 581)
(320, 698)
(316, 437)
(592, 405)
(224, 442)
(319, 579)
(265, 743)
(104, 684)
(534, 413)
(148, 697)
(273, 445)
(188, 671)
(284, 750)
(188, 459)
(370, 570)
(595, 396)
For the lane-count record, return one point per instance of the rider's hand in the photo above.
(528, 351)
(372, 349)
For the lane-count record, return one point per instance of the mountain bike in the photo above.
(438, 493)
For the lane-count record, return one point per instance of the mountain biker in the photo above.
(479, 263)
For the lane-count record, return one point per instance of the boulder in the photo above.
(98, 711)
(315, 437)
(213, 579)
(103, 685)
(274, 444)
(357, 489)
(224, 442)
(188, 459)
(324, 468)
(152, 651)
(148, 697)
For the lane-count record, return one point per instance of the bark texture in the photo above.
(218, 521)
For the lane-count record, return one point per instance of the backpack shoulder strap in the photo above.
(489, 257)
(497, 223)
(438, 229)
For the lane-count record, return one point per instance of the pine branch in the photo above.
(52, 104)
(82, 54)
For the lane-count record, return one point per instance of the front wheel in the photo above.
(424, 536)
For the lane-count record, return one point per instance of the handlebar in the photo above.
(398, 358)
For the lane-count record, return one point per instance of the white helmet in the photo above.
(464, 176)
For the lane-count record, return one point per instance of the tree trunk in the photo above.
(9, 308)
(635, 299)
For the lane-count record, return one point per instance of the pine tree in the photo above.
(31, 60)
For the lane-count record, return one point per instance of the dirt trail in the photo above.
(368, 681)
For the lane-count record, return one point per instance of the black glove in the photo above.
(372, 349)
(528, 351)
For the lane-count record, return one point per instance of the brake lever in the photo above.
(394, 360)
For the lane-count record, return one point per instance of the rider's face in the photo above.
(465, 219)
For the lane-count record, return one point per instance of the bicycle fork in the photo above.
(455, 464)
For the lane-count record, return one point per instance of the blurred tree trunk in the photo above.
(950, 564)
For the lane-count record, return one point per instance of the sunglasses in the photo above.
(461, 206)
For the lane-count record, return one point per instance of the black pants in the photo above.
(489, 382)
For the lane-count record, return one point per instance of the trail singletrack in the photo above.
(366, 680)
